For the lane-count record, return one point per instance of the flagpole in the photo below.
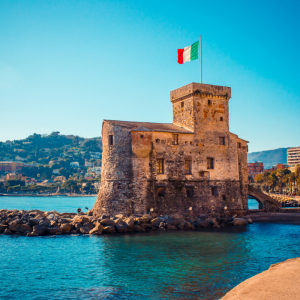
(201, 55)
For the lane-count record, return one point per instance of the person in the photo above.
(79, 210)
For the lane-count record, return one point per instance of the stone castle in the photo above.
(193, 164)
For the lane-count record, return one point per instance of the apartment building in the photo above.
(293, 156)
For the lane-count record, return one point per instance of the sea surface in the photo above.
(154, 265)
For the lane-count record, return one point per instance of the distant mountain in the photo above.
(270, 157)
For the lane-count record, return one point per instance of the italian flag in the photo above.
(188, 53)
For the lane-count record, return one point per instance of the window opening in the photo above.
(214, 191)
(221, 140)
(175, 139)
(141, 136)
(182, 104)
(161, 191)
(188, 166)
(221, 118)
(209, 102)
(160, 166)
(224, 197)
(239, 145)
(210, 163)
(189, 192)
(157, 140)
(110, 139)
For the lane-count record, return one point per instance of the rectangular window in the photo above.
(188, 166)
(210, 163)
(189, 192)
(221, 140)
(214, 191)
(161, 191)
(175, 139)
(110, 139)
(160, 166)
(239, 145)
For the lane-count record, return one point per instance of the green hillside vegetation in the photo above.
(270, 157)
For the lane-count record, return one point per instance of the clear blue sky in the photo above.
(67, 65)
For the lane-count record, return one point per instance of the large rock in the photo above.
(8, 232)
(54, 230)
(39, 229)
(239, 222)
(45, 222)
(66, 227)
(121, 228)
(180, 226)
(33, 222)
(129, 221)
(25, 227)
(177, 221)
(32, 234)
(3, 227)
(145, 219)
(138, 228)
(14, 226)
(107, 222)
(64, 221)
(109, 229)
(86, 228)
(279, 282)
(97, 230)
(171, 227)
(204, 224)
(156, 222)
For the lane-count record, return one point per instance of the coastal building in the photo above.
(88, 164)
(59, 178)
(10, 166)
(14, 176)
(74, 164)
(193, 164)
(255, 168)
(293, 156)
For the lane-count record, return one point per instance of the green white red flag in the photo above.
(188, 53)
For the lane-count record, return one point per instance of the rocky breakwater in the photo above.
(39, 223)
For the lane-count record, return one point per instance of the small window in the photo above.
(214, 191)
(221, 118)
(189, 192)
(209, 102)
(110, 139)
(175, 139)
(210, 163)
(142, 136)
(161, 191)
(157, 140)
(239, 145)
(182, 104)
(224, 198)
(160, 166)
(188, 166)
(221, 140)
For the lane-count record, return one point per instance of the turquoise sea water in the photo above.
(153, 265)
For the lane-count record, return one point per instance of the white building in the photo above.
(88, 164)
(74, 164)
(293, 156)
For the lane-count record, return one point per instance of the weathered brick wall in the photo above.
(130, 180)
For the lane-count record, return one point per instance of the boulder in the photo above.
(177, 221)
(86, 228)
(107, 222)
(105, 217)
(249, 220)
(153, 215)
(161, 228)
(120, 216)
(50, 216)
(32, 234)
(53, 224)
(77, 219)
(78, 226)
(8, 232)
(239, 222)
(138, 228)
(109, 229)
(204, 224)
(3, 227)
(129, 221)
(146, 226)
(155, 222)
(97, 230)
(45, 222)
(39, 229)
(89, 213)
(14, 226)
(54, 230)
(73, 231)
(64, 221)
(171, 227)
(33, 222)
(216, 225)
(187, 225)
(85, 219)
(25, 227)
(66, 227)
(145, 219)
(180, 226)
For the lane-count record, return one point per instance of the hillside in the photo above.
(269, 157)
